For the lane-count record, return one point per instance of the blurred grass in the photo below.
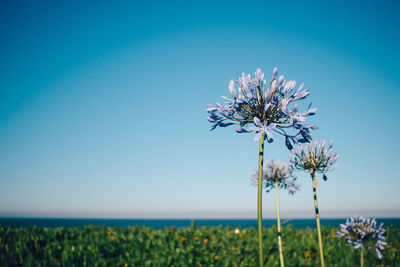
(192, 246)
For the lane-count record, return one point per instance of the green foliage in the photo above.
(192, 246)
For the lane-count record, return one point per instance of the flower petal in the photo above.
(257, 122)
(240, 129)
(258, 136)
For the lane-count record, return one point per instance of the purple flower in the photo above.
(232, 89)
(314, 158)
(362, 232)
(262, 129)
(277, 171)
(262, 108)
(258, 78)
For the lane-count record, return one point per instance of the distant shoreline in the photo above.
(180, 223)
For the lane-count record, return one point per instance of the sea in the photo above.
(179, 223)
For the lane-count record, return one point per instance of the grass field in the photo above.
(192, 246)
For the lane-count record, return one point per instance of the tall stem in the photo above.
(259, 201)
(321, 251)
(279, 223)
(362, 256)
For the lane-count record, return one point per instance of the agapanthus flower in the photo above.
(277, 171)
(362, 232)
(314, 157)
(256, 106)
(278, 175)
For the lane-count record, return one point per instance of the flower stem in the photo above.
(321, 251)
(259, 202)
(279, 223)
(362, 256)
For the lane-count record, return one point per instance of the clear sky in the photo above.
(102, 106)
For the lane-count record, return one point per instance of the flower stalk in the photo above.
(321, 249)
(362, 257)
(278, 219)
(259, 202)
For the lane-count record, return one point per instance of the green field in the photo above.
(192, 246)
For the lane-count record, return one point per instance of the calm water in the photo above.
(161, 223)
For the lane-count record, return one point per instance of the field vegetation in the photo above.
(192, 246)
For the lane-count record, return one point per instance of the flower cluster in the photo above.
(277, 171)
(314, 158)
(256, 107)
(362, 232)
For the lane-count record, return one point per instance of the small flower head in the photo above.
(277, 171)
(362, 232)
(314, 157)
(262, 108)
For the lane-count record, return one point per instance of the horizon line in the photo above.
(183, 218)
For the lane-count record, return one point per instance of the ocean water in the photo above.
(180, 223)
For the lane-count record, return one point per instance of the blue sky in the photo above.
(102, 107)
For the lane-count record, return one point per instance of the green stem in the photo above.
(259, 201)
(362, 256)
(279, 223)
(321, 250)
